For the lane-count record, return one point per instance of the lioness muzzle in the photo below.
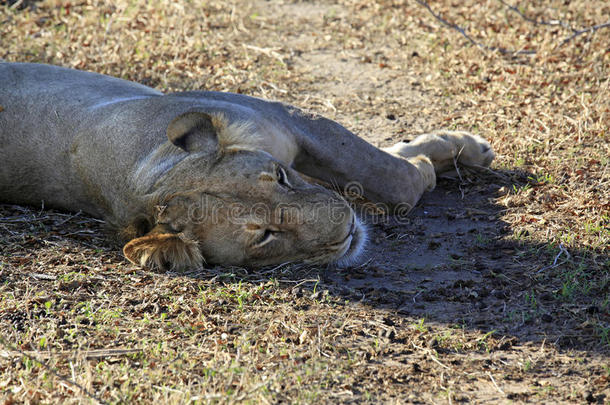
(203, 177)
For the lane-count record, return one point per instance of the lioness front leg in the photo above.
(331, 153)
(445, 149)
(395, 176)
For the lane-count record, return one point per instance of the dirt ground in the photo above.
(496, 289)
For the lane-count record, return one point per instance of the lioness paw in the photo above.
(469, 149)
(446, 148)
(163, 251)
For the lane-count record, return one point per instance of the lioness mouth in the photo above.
(351, 247)
(350, 233)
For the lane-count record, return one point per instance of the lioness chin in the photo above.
(204, 177)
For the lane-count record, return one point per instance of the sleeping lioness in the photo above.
(204, 177)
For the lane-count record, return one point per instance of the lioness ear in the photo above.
(161, 249)
(193, 131)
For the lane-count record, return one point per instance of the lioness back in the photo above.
(46, 112)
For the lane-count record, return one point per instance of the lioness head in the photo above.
(228, 203)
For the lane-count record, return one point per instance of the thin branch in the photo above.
(88, 355)
(16, 4)
(584, 31)
(10, 347)
(462, 31)
(495, 385)
(576, 32)
(562, 251)
(505, 51)
(537, 22)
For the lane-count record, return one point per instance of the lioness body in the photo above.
(84, 141)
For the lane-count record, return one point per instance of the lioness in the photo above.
(194, 177)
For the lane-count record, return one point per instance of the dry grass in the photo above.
(537, 321)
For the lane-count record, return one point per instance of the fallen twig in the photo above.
(506, 51)
(584, 31)
(89, 354)
(562, 250)
(270, 52)
(576, 32)
(462, 31)
(20, 353)
(431, 354)
(491, 377)
(17, 4)
(537, 22)
(40, 276)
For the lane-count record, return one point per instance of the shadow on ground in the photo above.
(452, 262)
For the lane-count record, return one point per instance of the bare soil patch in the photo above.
(495, 290)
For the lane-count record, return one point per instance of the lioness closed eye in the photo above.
(194, 177)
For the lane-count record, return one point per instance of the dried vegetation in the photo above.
(527, 316)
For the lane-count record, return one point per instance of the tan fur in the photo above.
(200, 175)
(447, 148)
(164, 251)
(426, 168)
(245, 136)
(237, 136)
